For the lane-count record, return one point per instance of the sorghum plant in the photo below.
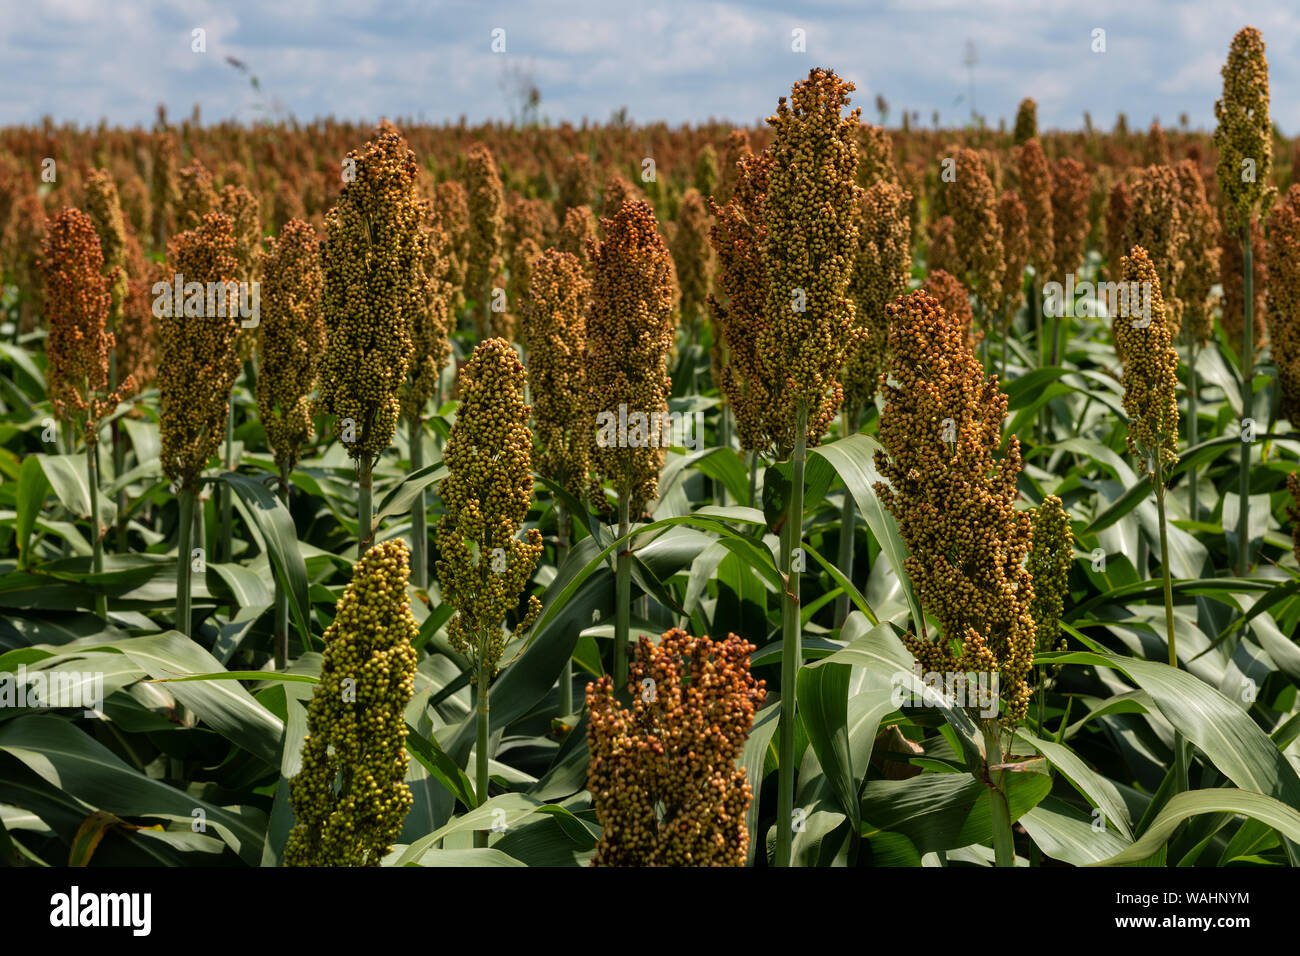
(1013, 219)
(431, 322)
(555, 334)
(1244, 139)
(197, 368)
(630, 331)
(1155, 222)
(349, 798)
(484, 566)
(810, 324)
(664, 775)
(954, 501)
(290, 343)
(577, 236)
(373, 269)
(78, 346)
(1150, 379)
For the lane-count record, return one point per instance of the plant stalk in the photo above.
(1004, 844)
(419, 516)
(97, 533)
(281, 595)
(563, 531)
(791, 642)
(227, 552)
(622, 596)
(185, 535)
(365, 505)
(1193, 427)
(1180, 763)
(1247, 395)
(844, 560)
(481, 747)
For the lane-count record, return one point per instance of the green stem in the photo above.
(753, 480)
(185, 534)
(844, 560)
(419, 516)
(1247, 395)
(1193, 427)
(365, 505)
(97, 535)
(1004, 844)
(227, 547)
(622, 596)
(481, 747)
(791, 643)
(281, 595)
(1180, 762)
(563, 530)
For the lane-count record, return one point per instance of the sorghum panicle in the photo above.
(77, 302)
(1013, 219)
(1284, 300)
(1026, 121)
(487, 207)
(663, 775)
(630, 331)
(693, 256)
(373, 271)
(1200, 254)
(1035, 186)
(349, 799)
(555, 334)
(1049, 568)
(484, 566)
(199, 361)
(1071, 186)
(1156, 224)
(1150, 376)
(106, 213)
(291, 339)
(811, 214)
(954, 501)
(881, 270)
(1244, 136)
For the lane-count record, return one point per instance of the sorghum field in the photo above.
(813, 494)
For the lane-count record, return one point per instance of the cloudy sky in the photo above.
(675, 60)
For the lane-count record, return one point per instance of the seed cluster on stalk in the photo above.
(373, 269)
(487, 219)
(1150, 376)
(199, 359)
(1155, 222)
(1200, 255)
(1014, 222)
(663, 774)
(977, 233)
(484, 566)
(1244, 135)
(954, 501)
(1071, 187)
(630, 330)
(106, 213)
(693, 256)
(880, 273)
(1284, 300)
(291, 339)
(555, 334)
(349, 799)
(811, 214)
(431, 317)
(77, 302)
(1035, 188)
(1049, 562)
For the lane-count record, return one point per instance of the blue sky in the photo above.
(675, 60)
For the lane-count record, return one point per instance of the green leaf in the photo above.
(1223, 731)
(268, 514)
(32, 487)
(1190, 803)
(77, 765)
(823, 705)
(853, 459)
